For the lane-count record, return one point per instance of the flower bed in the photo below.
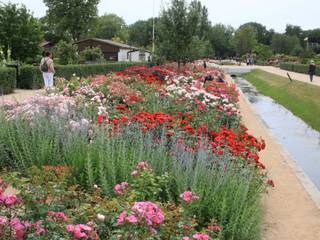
(147, 153)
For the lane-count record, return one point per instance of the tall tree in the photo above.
(198, 20)
(109, 26)
(220, 39)
(175, 34)
(262, 34)
(72, 16)
(140, 33)
(282, 43)
(244, 40)
(19, 31)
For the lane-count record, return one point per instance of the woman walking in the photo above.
(47, 69)
(312, 70)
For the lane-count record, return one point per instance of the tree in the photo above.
(263, 36)
(199, 48)
(198, 20)
(109, 26)
(282, 43)
(67, 53)
(244, 40)
(219, 37)
(140, 33)
(73, 17)
(175, 34)
(263, 52)
(19, 32)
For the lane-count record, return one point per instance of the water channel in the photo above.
(299, 140)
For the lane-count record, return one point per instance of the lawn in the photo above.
(302, 99)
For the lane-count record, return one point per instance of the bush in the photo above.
(300, 68)
(7, 80)
(92, 55)
(67, 53)
(31, 78)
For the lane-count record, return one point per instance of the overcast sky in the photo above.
(272, 13)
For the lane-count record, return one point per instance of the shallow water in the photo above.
(300, 141)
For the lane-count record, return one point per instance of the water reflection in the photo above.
(300, 141)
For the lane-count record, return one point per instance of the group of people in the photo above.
(209, 77)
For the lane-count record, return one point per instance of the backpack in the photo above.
(44, 66)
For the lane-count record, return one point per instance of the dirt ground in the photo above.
(20, 95)
(290, 213)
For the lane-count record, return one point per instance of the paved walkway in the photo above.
(20, 95)
(289, 211)
(296, 76)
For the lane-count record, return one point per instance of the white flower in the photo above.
(101, 217)
(74, 74)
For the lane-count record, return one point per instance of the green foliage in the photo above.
(284, 44)
(19, 32)
(7, 80)
(140, 33)
(262, 34)
(300, 68)
(244, 40)
(263, 52)
(30, 77)
(220, 37)
(179, 23)
(92, 55)
(66, 53)
(73, 17)
(109, 26)
(199, 49)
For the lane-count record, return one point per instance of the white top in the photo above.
(49, 63)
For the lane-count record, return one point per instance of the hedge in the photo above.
(300, 68)
(7, 80)
(31, 78)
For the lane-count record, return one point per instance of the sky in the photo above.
(275, 14)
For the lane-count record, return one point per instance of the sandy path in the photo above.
(296, 76)
(20, 95)
(290, 213)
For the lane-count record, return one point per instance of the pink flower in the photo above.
(142, 165)
(18, 227)
(214, 228)
(132, 219)
(9, 199)
(135, 173)
(186, 238)
(3, 220)
(150, 212)
(79, 231)
(119, 188)
(59, 215)
(201, 236)
(39, 229)
(122, 218)
(189, 196)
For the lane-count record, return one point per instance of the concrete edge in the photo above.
(306, 182)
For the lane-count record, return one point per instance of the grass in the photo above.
(302, 99)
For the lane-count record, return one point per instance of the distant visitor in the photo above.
(312, 70)
(47, 69)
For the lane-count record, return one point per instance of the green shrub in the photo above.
(31, 78)
(92, 55)
(67, 53)
(300, 68)
(7, 80)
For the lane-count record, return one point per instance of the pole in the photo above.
(153, 30)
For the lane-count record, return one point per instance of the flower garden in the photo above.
(146, 153)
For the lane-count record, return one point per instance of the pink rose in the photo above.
(201, 236)
(132, 219)
(135, 173)
(3, 220)
(189, 196)
(9, 199)
(122, 218)
(186, 238)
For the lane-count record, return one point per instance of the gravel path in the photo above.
(296, 76)
(20, 95)
(289, 211)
